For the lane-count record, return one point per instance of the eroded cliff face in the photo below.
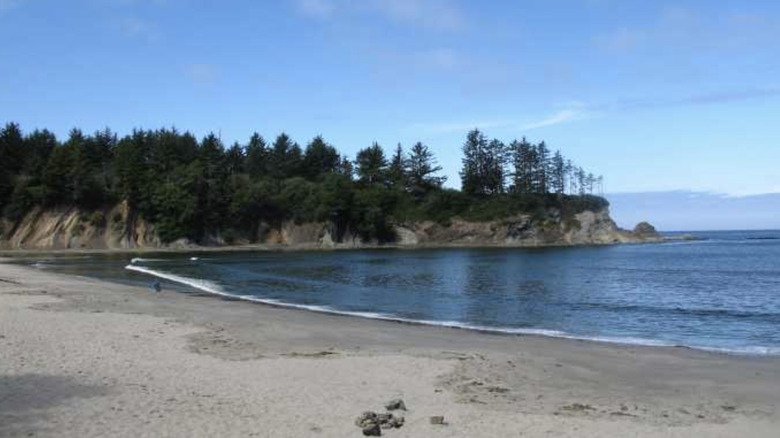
(587, 228)
(118, 228)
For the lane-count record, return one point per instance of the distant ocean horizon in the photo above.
(719, 293)
(698, 211)
(725, 230)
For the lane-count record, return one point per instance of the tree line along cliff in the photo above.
(164, 186)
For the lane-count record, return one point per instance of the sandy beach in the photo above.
(81, 357)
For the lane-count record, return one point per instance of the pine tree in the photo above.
(371, 164)
(590, 181)
(570, 178)
(397, 170)
(346, 168)
(256, 156)
(534, 183)
(131, 168)
(169, 149)
(522, 162)
(211, 157)
(285, 158)
(12, 151)
(84, 161)
(11, 159)
(558, 173)
(541, 164)
(60, 171)
(421, 167)
(494, 168)
(581, 181)
(210, 182)
(471, 174)
(293, 165)
(319, 158)
(39, 146)
(95, 157)
(235, 159)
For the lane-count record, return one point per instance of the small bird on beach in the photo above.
(156, 286)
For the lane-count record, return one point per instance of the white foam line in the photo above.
(204, 285)
(142, 260)
(747, 351)
(213, 288)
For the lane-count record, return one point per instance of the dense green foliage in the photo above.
(194, 189)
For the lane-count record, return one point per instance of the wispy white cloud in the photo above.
(563, 116)
(576, 110)
(559, 117)
(435, 14)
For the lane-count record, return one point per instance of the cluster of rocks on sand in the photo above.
(372, 423)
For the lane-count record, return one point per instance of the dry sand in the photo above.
(80, 357)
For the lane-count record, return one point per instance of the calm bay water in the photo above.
(720, 293)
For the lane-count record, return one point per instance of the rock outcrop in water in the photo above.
(119, 228)
(644, 229)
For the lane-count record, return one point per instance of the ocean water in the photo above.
(721, 293)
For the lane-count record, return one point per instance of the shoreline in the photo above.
(485, 384)
(749, 351)
(744, 351)
(12, 252)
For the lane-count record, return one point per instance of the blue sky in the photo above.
(654, 95)
(690, 211)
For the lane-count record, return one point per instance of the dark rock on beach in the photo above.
(372, 429)
(365, 419)
(372, 423)
(395, 405)
(397, 422)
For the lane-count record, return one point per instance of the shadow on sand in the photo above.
(25, 400)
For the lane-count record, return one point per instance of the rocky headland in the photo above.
(118, 228)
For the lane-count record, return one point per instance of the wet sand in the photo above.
(81, 357)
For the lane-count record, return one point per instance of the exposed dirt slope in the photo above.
(119, 228)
